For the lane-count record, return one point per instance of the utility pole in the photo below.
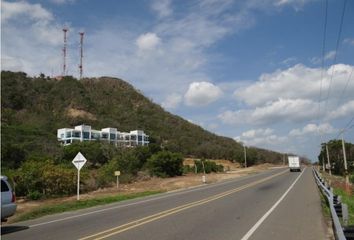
(244, 148)
(328, 161)
(345, 162)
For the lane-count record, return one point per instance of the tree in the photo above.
(92, 150)
(165, 164)
(335, 151)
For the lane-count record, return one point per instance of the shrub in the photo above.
(105, 176)
(35, 179)
(165, 164)
(129, 162)
(187, 169)
(209, 166)
(95, 152)
(34, 195)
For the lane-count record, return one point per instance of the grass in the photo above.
(81, 204)
(325, 208)
(349, 200)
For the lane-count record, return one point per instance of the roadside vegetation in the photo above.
(347, 198)
(339, 188)
(76, 205)
(335, 150)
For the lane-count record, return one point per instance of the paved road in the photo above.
(275, 204)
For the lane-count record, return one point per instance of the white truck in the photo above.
(294, 163)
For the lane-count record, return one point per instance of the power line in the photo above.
(342, 95)
(350, 122)
(336, 53)
(347, 127)
(323, 56)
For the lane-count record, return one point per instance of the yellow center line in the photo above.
(154, 217)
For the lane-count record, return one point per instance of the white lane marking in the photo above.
(261, 220)
(178, 192)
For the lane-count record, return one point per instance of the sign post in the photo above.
(79, 161)
(117, 173)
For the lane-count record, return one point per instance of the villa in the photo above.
(85, 133)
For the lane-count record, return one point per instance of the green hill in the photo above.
(32, 109)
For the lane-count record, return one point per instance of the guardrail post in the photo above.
(349, 232)
(337, 199)
(345, 214)
(338, 208)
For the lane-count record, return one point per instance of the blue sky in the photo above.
(250, 70)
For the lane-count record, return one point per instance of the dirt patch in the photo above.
(144, 184)
(228, 166)
(76, 113)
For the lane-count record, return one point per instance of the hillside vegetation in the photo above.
(32, 109)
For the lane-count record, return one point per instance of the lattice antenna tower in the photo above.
(81, 52)
(65, 30)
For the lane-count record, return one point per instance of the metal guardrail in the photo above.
(337, 208)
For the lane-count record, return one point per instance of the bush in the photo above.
(95, 152)
(36, 179)
(187, 169)
(129, 161)
(34, 195)
(105, 176)
(165, 164)
(209, 166)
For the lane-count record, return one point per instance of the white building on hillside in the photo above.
(84, 133)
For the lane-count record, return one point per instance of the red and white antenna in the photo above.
(81, 52)
(64, 52)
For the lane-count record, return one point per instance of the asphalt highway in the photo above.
(276, 204)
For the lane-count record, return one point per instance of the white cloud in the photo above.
(346, 109)
(298, 81)
(172, 101)
(31, 39)
(11, 63)
(292, 95)
(201, 94)
(148, 41)
(289, 61)
(261, 137)
(14, 10)
(282, 110)
(212, 126)
(162, 8)
(296, 4)
(257, 132)
(285, 110)
(61, 2)
(313, 129)
(330, 55)
(349, 41)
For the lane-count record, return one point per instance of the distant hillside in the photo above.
(32, 109)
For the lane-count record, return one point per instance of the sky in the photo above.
(267, 73)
